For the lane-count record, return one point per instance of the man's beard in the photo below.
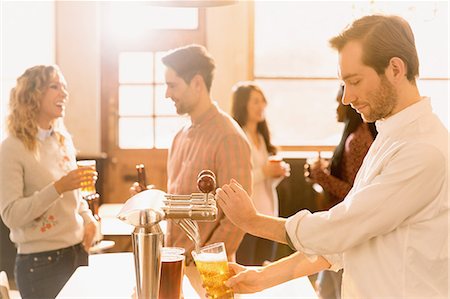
(381, 101)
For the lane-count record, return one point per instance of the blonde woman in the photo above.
(50, 223)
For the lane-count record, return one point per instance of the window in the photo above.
(138, 122)
(297, 69)
(143, 108)
(136, 36)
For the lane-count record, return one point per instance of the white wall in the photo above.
(227, 40)
(78, 55)
(27, 39)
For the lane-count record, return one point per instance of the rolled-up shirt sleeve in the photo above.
(402, 188)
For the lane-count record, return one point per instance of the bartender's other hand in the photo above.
(89, 233)
(244, 280)
(236, 204)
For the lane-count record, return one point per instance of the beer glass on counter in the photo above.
(212, 264)
(87, 187)
(172, 272)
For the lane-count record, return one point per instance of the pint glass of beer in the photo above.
(172, 272)
(87, 186)
(212, 264)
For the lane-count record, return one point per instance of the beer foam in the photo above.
(171, 258)
(210, 257)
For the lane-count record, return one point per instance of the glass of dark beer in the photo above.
(172, 272)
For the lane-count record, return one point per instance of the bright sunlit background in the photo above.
(288, 56)
(298, 70)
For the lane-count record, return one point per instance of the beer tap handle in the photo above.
(206, 183)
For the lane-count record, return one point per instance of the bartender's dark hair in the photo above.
(382, 38)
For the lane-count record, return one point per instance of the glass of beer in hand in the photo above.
(212, 264)
(87, 186)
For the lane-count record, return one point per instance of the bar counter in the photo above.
(112, 275)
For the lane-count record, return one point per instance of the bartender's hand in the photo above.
(90, 230)
(244, 280)
(236, 204)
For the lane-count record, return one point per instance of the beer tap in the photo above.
(146, 209)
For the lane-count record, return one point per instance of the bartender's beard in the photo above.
(381, 101)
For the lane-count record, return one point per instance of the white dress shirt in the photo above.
(390, 234)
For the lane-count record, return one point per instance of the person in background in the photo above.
(390, 233)
(40, 203)
(337, 178)
(248, 109)
(212, 140)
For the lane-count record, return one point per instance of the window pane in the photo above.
(135, 133)
(163, 106)
(166, 128)
(160, 68)
(135, 100)
(302, 112)
(136, 67)
(292, 40)
(141, 17)
(438, 90)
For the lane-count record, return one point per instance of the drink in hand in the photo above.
(87, 186)
(211, 262)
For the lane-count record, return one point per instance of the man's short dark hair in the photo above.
(189, 61)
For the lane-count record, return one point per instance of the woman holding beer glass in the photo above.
(50, 223)
(248, 109)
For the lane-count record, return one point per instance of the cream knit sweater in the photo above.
(39, 218)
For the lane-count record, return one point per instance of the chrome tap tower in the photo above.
(146, 209)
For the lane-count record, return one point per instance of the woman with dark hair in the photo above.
(338, 178)
(248, 109)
